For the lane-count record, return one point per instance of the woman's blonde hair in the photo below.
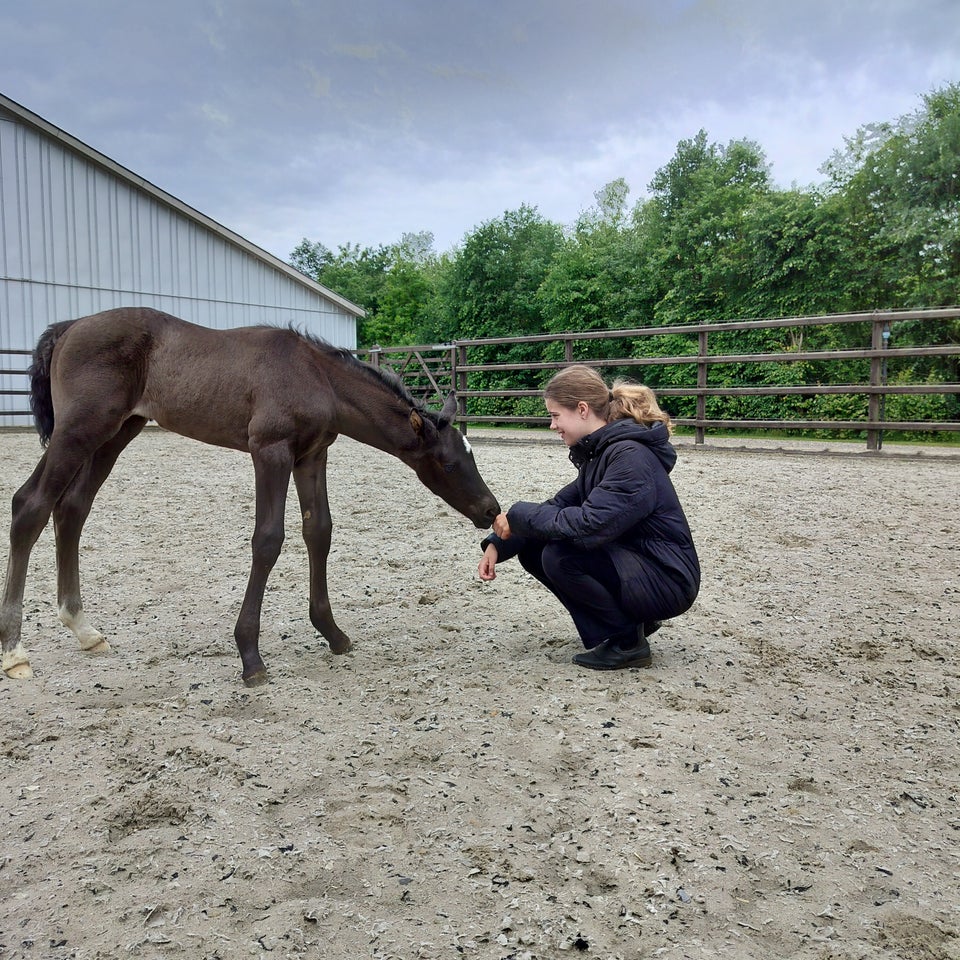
(624, 399)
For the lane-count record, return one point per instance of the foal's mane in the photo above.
(380, 374)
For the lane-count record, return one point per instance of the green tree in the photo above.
(359, 274)
(416, 247)
(490, 289)
(596, 279)
(897, 191)
(404, 307)
(310, 257)
(695, 228)
(900, 188)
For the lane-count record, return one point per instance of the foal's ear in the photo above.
(449, 410)
(423, 427)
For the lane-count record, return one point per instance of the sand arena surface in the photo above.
(782, 783)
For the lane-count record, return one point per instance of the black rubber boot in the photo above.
(619, 652)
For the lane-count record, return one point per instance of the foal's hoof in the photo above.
(257, 679)
(19, 671)
(340, 646)
(15, 664)
(98, 648)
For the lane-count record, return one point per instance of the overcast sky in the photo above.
(360, 120)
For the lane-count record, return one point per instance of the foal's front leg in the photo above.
(272, 466)
(310, 478)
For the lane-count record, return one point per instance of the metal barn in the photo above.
(79, 233)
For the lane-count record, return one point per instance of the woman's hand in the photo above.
(488, 563)
(501, 527)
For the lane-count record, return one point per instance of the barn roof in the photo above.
(21, 113)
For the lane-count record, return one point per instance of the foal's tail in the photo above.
(41, 401)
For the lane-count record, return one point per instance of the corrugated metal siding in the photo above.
(76, 239)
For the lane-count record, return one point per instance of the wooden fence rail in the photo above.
(14, 363)
(431, 370)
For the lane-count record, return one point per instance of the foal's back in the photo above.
(212, 385)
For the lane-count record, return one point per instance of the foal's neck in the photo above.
(385, 424)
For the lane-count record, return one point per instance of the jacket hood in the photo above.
(656, 437)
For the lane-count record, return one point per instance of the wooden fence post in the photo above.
(458, 380)
(879, 335)
(701, 386)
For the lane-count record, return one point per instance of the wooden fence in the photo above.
(431, 371)
(14, 363)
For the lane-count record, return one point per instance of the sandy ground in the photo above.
(782, 783)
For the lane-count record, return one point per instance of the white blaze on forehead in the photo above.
(466, 446)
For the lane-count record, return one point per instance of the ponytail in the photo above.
(638, 402)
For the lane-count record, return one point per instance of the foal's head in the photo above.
(444, 463)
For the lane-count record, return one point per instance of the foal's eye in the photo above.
(449, 467)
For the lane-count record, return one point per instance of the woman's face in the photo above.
(571, 425)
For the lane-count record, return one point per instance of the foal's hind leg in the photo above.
(30, 515)
(69, 516)
(32, 506)
(310, 478)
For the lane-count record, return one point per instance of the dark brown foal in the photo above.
(281, 396)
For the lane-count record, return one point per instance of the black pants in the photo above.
(587, 583)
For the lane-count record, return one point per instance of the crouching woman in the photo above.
(614, 545)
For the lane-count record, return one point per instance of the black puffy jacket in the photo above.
(622, 499)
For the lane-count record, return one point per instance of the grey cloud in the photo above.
(291, 118)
